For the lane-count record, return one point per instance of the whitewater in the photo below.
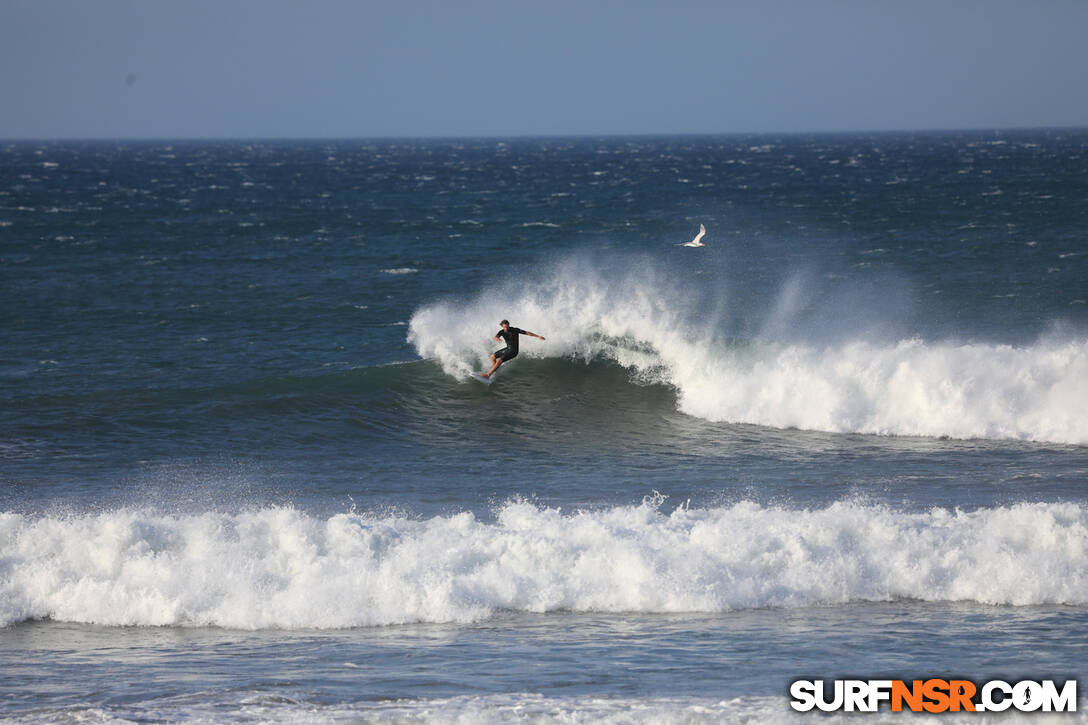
(656, 328)
(281, 568)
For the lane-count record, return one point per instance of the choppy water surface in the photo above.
(244, 475)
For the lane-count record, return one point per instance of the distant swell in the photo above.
(280, 568)
(907, 387)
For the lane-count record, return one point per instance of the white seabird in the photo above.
(698, 241)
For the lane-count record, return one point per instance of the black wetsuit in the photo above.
(509, 352)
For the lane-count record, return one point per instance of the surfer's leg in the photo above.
(494, 366)
(498, 358)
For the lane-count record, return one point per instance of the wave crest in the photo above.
(663, 332)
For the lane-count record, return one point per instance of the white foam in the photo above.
(463, 710)
(913, 387)
(400, 270)
(281, 568)
(529, 708)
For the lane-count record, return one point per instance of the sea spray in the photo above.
(629, 315)
(646, 321)
(282, 568)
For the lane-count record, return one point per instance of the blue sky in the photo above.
(332, 68)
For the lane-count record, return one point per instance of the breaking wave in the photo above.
(664, 332)
(282, 568)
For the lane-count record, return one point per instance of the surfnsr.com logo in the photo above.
(934, 695)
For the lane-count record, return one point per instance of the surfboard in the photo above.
(481, 379)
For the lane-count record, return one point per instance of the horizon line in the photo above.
(528, 136)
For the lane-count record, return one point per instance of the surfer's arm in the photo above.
(533, 334)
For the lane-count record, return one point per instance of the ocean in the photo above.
(245, 476)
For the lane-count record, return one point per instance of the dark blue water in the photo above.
(244, 474)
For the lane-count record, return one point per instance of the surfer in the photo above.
(510, 335)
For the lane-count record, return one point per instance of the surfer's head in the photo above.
(504, 323)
